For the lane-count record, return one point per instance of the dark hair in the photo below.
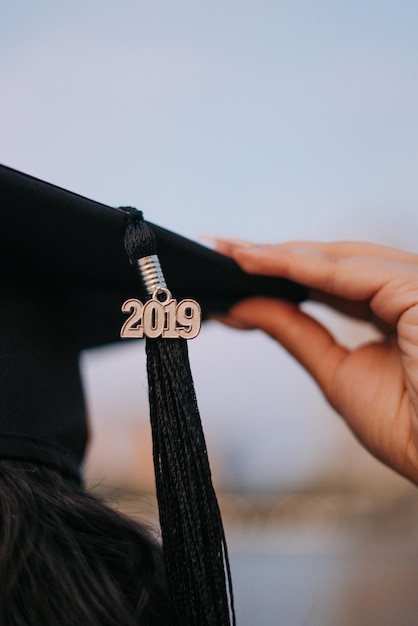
(67, 558)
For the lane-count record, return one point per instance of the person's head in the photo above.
(68, 558)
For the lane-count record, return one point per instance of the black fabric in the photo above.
(42, 416)
(78, 244)
(64, 274)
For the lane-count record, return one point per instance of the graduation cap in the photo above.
(69, 281)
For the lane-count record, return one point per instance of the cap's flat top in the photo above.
(76, 245)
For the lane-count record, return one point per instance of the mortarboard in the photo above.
(65, 273)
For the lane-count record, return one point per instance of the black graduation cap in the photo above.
(65, 272)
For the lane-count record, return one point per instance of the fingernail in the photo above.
(225, 244)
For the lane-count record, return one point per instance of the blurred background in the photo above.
(265, 121)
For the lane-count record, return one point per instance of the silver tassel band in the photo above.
(151, 273)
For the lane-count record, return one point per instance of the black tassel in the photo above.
(194, 544)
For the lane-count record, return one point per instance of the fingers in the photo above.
(338, 249)
(305, 338)
(356, 248)
(350, 277)
(386, 284)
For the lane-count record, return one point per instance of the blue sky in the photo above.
(264, 120)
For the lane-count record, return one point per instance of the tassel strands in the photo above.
(195, 550)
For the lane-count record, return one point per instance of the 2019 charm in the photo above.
(161, 316)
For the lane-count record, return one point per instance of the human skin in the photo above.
(374, 387)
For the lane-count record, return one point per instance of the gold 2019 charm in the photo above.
(161, 316)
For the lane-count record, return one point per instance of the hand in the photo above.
(374, 387)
